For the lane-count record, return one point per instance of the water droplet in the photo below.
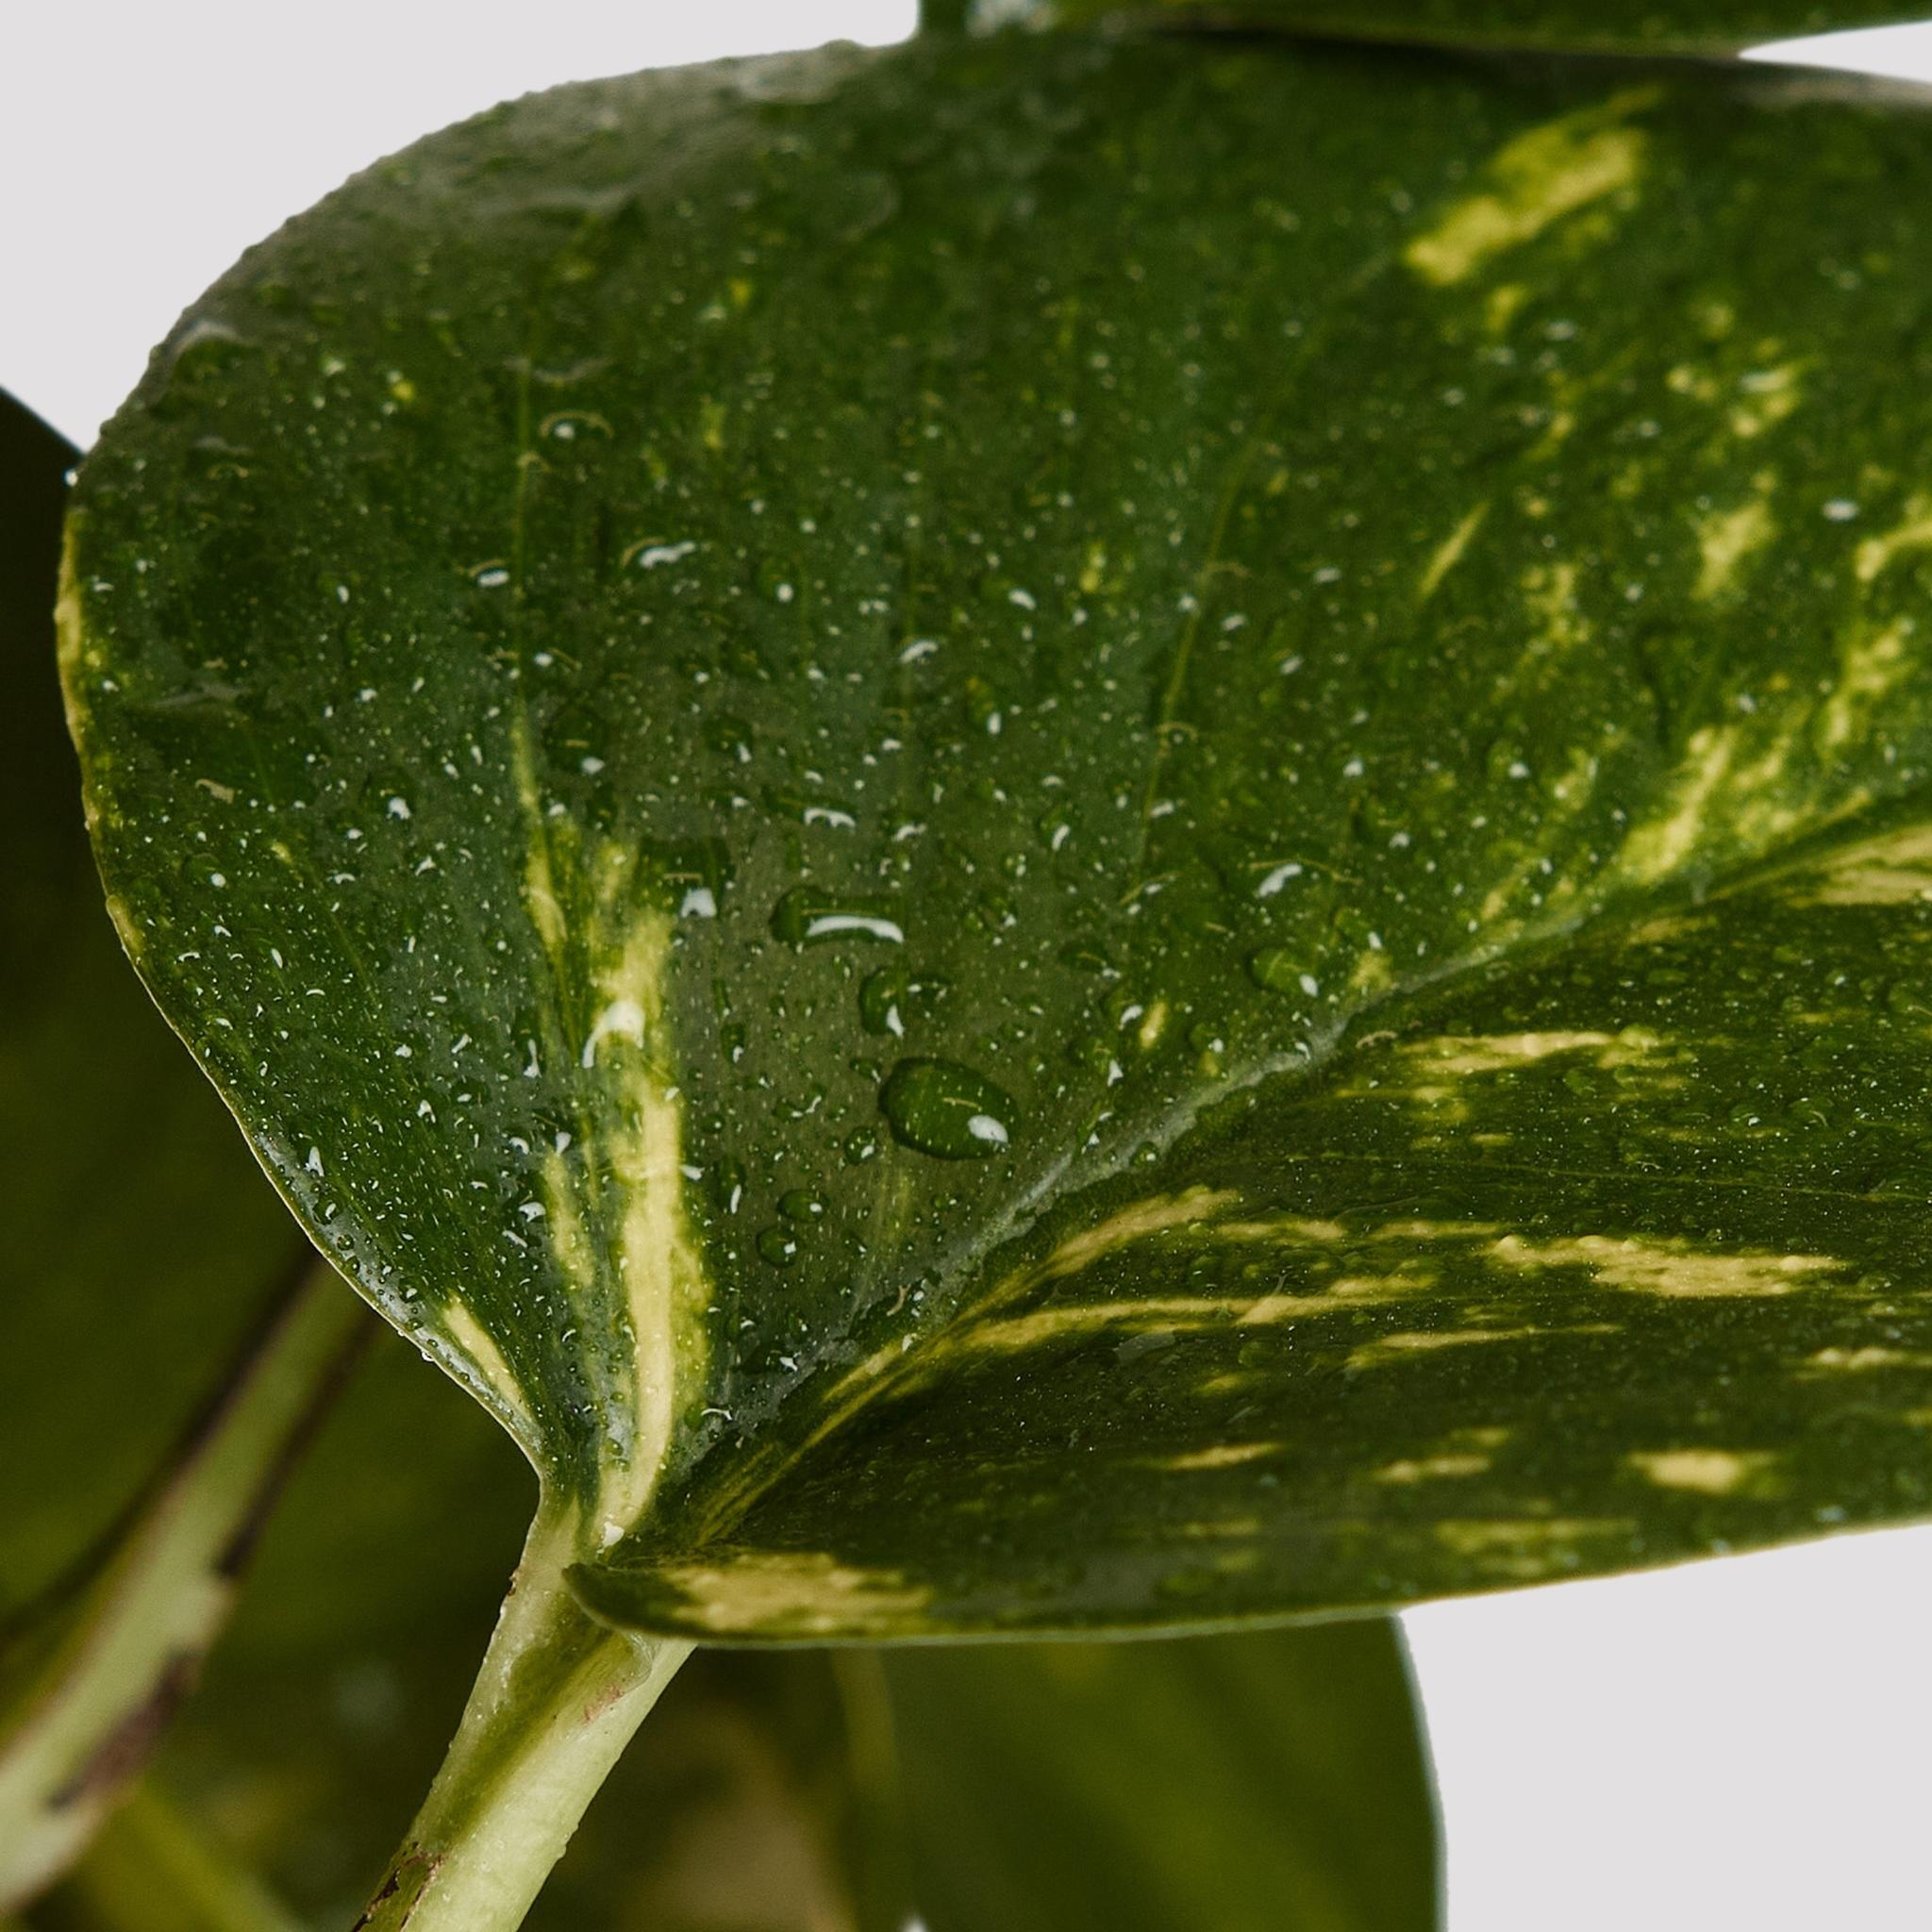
(947, 1111)
(730, 737)
(805, 916)
(800, 1204)
(777, 1245)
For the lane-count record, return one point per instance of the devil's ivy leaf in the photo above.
(1683, 26)
(1271, 1780)
(1069, 832)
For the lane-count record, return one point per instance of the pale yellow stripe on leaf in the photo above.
(479, 1348)
(1707, 1472)
(1533, 182)
(1527, 1547)
(540, 901)
(1222, 1455)
(804, 1593)
(1659, 845)
(1913, 531)
(1725, 540)
(1426, 1468)
(1675, 1268)
(662, 1274)
(1448, 553)
(1893, 869)
(1857, 1362)
(1138, 1222)
(1871, 665)
(1389, 1348)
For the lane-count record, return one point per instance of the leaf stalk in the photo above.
(557, 1698)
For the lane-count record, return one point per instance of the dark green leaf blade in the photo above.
(861, 760)
(140, 1246)
(1609, 27)
(1272, 1781)
(138, 1240)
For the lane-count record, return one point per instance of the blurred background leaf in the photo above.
(142, 1240)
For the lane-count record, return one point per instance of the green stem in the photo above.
(557, 1698)
(944, 16)
(89, 1679)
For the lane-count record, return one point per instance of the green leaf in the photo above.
(140, 1244)
(1346, 722)
(1663, 27)
(1256, 1782)
(138, 1236)
(1274, 1779)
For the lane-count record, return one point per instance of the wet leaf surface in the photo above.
(1074, 832)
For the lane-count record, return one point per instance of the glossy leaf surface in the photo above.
(1271, 1780)
(1677, 26)
(1031, 859)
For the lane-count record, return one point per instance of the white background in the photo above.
(1735, 1745)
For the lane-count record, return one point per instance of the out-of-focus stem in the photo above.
(90, 1678)
(151, 1870)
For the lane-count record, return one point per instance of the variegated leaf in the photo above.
(1069, 832)
(1682, 26)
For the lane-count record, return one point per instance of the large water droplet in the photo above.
(777, 1245)
(948, 1111)
(805, 916)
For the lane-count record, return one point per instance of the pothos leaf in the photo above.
(1073, 832)
(1271, 1780)
(1681, 27)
